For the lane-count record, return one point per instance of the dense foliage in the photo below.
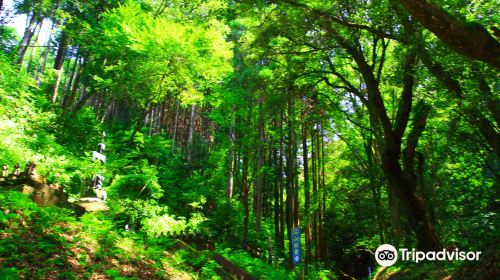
(359, 122)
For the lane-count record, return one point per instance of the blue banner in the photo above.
(296, 245)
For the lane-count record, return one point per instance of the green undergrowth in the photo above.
(31, 131)
(255, 266)
(260, 269)
(50, 243)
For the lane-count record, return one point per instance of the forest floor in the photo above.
(50, 243)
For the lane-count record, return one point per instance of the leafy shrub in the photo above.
(80, 132)
(161, 225)
(137, 186)
(208, 270)
(257, 267)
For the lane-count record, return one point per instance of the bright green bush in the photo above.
(257, 267)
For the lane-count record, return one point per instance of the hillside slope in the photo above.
(49, 243)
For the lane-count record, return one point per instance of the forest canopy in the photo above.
(335, 126)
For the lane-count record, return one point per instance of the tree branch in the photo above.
(467, 38)
(419, 122)
(340, 21)
(405, 102)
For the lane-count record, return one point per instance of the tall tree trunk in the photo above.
(231, 159)
(85, 98)
(28, 34)
(176, 124)
(259, 170)
(267, 190)
(150, 120)
(184, 130)
(397, 228)
(398, 180)
(429, 199)
(45, 55)
(281, 186)
(320, 190)
(296, 202)
(324, 245)
(168, 116)
(161, 116)
(290, 179)
(38, 28)
(314, 156)
(61, 51)
(69, 83)
(374, 187)
(244, 196)
(307, 194)
(191, 132)
(70, 100)
(404, 188)
(277, 206)
(58, 64)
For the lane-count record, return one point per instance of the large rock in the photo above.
(45, 194)
(93, 204)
